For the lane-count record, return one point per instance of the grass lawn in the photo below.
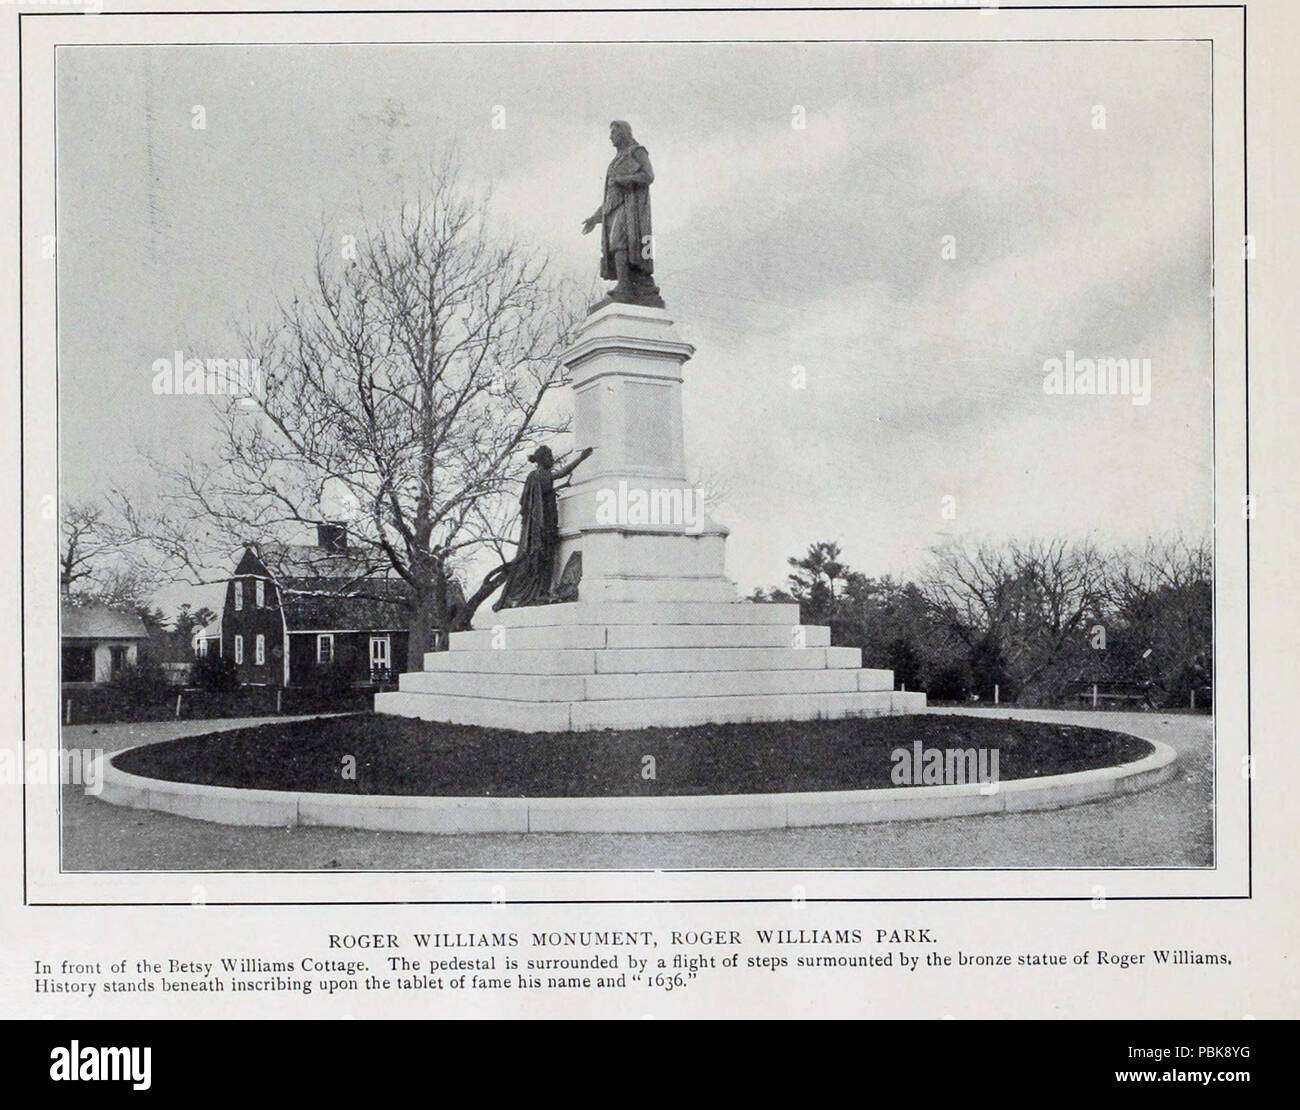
(398, 755)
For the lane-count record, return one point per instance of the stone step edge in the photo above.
(621, 613)
(742, 632)
(495, 696)
(684, 652)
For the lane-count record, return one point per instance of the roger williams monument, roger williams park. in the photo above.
(654, 633)
(620, 684)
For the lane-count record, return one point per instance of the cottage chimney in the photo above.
(332, 536)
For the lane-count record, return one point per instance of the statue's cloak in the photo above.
(625, 224)
(533, 567)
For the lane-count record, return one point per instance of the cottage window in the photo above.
(325, 648)
(239, 595)
(259, 648)
(239, 649)
(260, 590)
(78, 663)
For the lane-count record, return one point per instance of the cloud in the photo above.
(777, 246)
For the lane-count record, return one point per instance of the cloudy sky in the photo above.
(776, 247)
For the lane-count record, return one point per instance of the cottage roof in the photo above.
(92, 621)
(344, 603)
(328, 590)
(300, 560)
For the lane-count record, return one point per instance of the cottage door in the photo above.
(380, 659)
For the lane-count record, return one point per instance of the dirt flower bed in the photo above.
(372, 754)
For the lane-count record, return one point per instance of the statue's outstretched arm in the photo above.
(565, 471)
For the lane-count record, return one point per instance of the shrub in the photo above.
(140, 684)
(333, 680)
(905, 662)
(951, 683)
(214, 673)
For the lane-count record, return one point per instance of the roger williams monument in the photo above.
(641, 626)
(626, 234)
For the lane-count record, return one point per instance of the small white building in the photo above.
(207, 640)
(98, 642)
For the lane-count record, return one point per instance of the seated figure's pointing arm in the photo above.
(565, 471)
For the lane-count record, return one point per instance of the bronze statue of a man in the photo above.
(627, 239)
(531, 572)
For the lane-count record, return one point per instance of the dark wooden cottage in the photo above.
(299, 615)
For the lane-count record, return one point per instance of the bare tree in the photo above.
(1162, 595)
(100, 558)
(715, 485)
(400, 392)
(86, 539)
(1022, 607)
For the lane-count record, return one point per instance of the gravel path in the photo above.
(1170, 826)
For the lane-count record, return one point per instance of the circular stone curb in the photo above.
(229, 805)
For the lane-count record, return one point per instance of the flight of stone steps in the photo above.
(636, 664)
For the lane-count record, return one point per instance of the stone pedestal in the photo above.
(630, 510)
(657, 636)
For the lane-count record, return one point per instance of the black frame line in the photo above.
(1242, 7)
